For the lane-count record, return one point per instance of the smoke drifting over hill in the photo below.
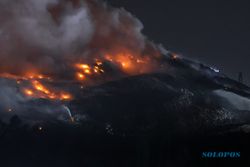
(47, 36)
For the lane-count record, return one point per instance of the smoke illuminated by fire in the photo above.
(71, 41)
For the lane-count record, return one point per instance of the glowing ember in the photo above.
(65, 96)
(80, 76)
(83, 66)
(109, 58)
(174, 56)
(40, 128)
(38, 86)
(99, 63)
(28, 92)
(86, 69)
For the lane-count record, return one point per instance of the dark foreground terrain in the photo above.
(160, 120)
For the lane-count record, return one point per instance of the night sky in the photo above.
(216, 33)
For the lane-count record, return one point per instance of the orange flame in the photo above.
(38, 90)
(86, 69)
(128, 62)
(28, 92)
(80, 76)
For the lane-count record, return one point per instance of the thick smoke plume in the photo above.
(48, 35)
(42, 41)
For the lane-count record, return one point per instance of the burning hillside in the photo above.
(82, 86)
(54, 49)
(38, 85)
(87, 41)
